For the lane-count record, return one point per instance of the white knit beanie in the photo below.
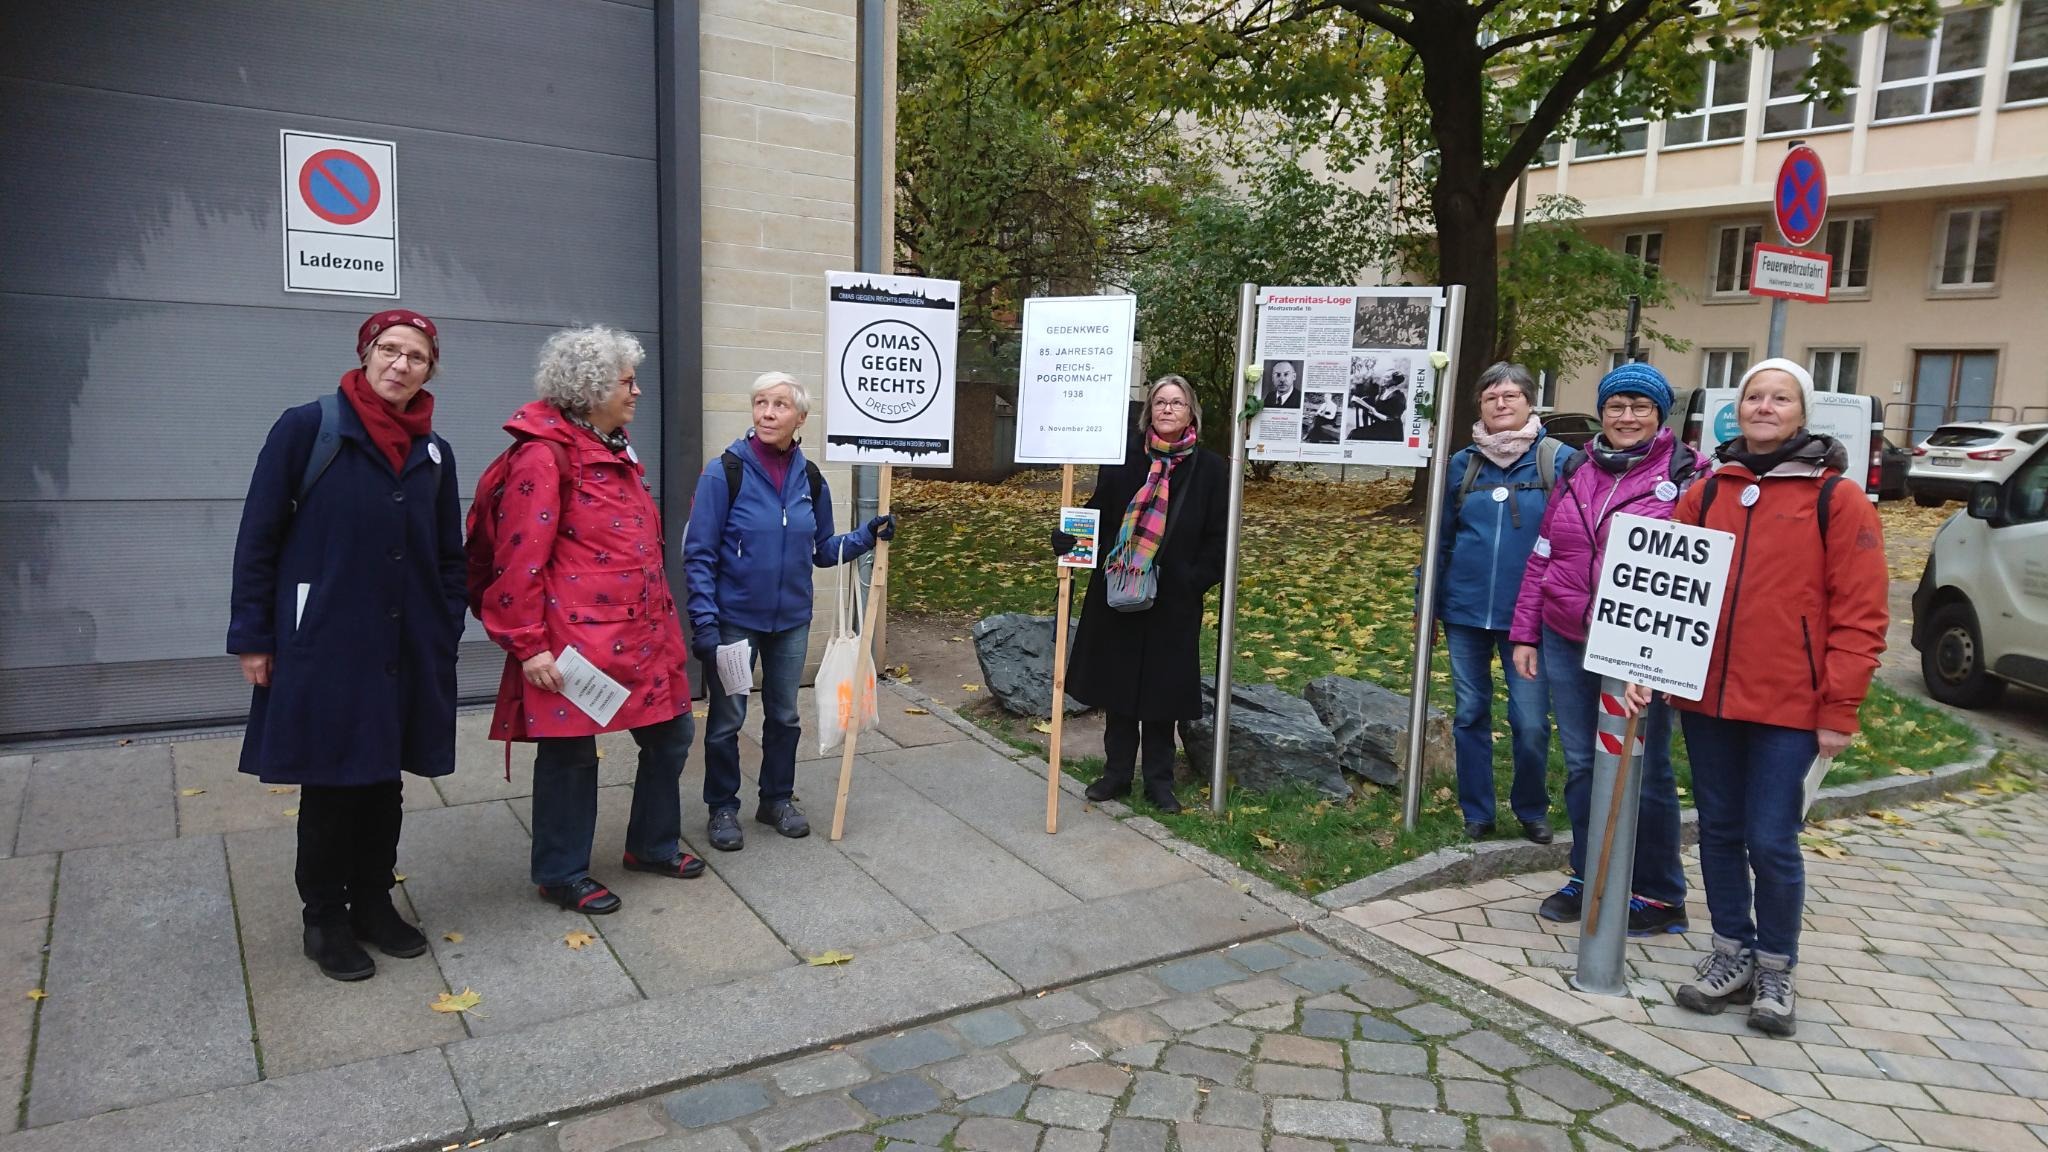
(1790, 368)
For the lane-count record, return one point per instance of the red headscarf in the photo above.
(390, 430)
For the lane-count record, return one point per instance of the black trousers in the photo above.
(348, 846)
(1122, 737)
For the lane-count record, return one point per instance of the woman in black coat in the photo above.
(1143, 667)
(347, 607)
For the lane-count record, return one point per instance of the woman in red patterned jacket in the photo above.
(578, 560)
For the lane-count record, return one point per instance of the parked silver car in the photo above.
(1956, 457)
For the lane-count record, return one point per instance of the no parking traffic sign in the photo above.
(1799, 200)
(340, 222)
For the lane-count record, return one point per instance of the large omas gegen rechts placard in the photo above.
(1074, 379)
(1658, 603)
(890, 344)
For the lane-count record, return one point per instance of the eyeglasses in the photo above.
(1640, 408)
(1170, 405)
(394, 352)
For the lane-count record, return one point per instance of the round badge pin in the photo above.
(635, 458)
(1667, 491)
(1750, 495)
(1500, 495)
(434, 452)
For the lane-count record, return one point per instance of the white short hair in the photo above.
(797, 393)
(579, 367)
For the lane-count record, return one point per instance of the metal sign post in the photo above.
(1799, 204)
(1425, 606)
(1226, 624)
(1611, 849)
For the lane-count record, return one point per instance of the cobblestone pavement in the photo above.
(1923, 981)
(1280, 1045)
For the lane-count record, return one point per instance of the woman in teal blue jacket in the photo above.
(748, 555)
(1498, 488)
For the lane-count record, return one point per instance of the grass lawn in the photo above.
(1325, 584)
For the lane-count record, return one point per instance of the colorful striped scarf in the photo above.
(1137, 542)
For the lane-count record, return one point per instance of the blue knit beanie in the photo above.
(1638, 379)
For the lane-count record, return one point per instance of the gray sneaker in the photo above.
(1772, 1013)
(1725, 977)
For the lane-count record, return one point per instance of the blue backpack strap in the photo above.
(326, 443)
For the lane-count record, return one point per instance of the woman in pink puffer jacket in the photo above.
(1634, 466)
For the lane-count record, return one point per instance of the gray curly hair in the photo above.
(579, 367)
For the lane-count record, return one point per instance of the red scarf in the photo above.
(390, 430)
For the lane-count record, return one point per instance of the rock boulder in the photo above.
(1275, 740)
(1370, 726)
(1015, 651)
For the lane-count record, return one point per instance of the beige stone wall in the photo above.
(779, 131)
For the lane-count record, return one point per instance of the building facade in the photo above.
(682, 170)
(1937, 168)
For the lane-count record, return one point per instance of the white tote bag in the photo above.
(846, 678)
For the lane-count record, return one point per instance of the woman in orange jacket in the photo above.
(1802, 624)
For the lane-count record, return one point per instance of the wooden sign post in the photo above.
(878, 591)
(1059, 671)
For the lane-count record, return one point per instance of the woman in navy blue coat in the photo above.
(347, 606)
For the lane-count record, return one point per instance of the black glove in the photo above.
(704, 644)
(1062, 543)
(883, 527)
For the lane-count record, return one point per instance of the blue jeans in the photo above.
(1472, 651)
(1658, 874)
(565, 800)
(781, 659)
(1748, 782)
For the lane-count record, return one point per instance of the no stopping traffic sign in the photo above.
(1799, 199)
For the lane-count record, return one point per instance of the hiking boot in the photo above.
(684, 867)
(1772, 1013)
(585, 895)
(1109, 786)
(1159, 793)
(333, 947)
(785, 817)
(1563, 904)
(1537, 831)
(1647, 917)
(376, 922)
(724, 831)
(1724, 979)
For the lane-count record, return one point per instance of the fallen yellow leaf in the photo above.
(1831, 851)
(398, 876)
(970, 687)
(1042, 726)
(578, 940)
(191, 791)
(38, 994)
(1266, 842)
(452, 937)
(283, 789)
(917, 711)
(827, 959)
(292, 812)
(1891, 818)
(464, 1001)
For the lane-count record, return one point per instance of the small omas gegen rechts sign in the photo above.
(1658, 604)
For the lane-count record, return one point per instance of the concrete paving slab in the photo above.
(937, 865)
(675, 935)
(128, 1024)
(94, 796)
(1044, 949)
(466, 871)
(1092, 856)
(394, 1102)
(626, 1052)
(908, 729)
(231, 802)
(304, 1020)
(24, 927)
(809, 893)
(13, 785)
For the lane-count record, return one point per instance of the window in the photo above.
(1791, 108)
(1633, 134)
(1722, 112)
(2029, 487)
(1616, 357)
(1966, 251)
(1847, 240)
(1546, 390)
(1944, 73)
(1949, 386)
(1835, 369)
(1734, 246)
(1723, 367)
(2028, 78)
(1647, 247)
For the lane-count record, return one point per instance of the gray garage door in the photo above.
(146, 341)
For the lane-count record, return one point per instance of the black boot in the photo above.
(333, 947)
(1120, 757)
(1110, 786)
(380, 812)
(1158, 746)
(375, 921)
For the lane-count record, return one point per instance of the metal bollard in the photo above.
(1611, 846)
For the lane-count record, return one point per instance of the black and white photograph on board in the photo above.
(1391, 322)
(1378, 400)
(1281, 387)
(1322, 418)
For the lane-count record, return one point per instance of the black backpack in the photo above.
(327, 442)
(735, 469)
(1681, 468)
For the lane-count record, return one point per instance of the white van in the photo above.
(1980, 614)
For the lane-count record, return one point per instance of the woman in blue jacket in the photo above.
(749, 555)
(1499, 487)
(347, 606)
